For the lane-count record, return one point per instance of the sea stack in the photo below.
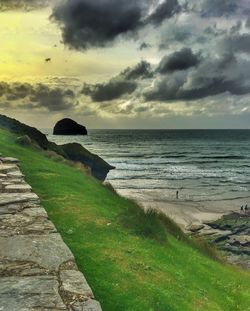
(69, 127)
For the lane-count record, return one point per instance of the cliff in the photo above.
(74, 152)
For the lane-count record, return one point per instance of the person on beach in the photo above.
(177, 194)
(246, 208)
(242, 208)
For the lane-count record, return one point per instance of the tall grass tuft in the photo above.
(144, 223)
(156, 225)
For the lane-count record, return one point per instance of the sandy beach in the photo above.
(187, 213)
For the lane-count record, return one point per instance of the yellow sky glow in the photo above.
(27, 38)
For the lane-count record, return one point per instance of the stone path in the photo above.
(37, 269)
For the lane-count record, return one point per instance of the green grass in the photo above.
(130, 260)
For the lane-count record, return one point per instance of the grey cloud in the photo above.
(234, 42)
(142, 70)
(212, 77)
(165, 10)
(125, 83)
(169, 89)
(36, 96)
(111, 90)
(180, 60)
(54, 99)
(215, 8)
(174, 33)
(248, 22)
(82, 27)
(144, 46)
(241, 42)
(190, 30)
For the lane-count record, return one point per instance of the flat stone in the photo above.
(10, 209)
(10, 160)
(6, 183)
(11, 181)
(13, 198)
(48, 251)
(7, 168)
(17, 268)
(16, 181)
(195, 228)
(18, 188)
(36, 212)
(75, 283)
(88, 305)
(30, 293)
(18, 207)
(15, 174)
(33, 221)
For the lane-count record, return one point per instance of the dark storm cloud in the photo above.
(212, 77)
(123, 84)
(36, 96)
(111, 90)
(180, 60)
(173, 89)
(165, 10)
(88, 23)
(23, 4)
(142, 70)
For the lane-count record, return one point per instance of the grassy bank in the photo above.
(132, 261)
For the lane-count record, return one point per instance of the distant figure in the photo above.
(242, 208)
(246, 208)
(47, 60)
(177, 194)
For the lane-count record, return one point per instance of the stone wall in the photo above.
(37, 269)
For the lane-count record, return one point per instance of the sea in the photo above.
(151, 165)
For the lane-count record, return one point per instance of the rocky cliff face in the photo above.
(69, 127)
(74, 152)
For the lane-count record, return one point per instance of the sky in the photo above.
(126, 63)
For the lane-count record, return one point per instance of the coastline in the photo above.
(90, 218)
(188, 213)
(218, 222)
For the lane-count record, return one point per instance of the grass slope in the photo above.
(127, 268)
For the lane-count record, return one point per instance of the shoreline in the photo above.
(221, 223)
(188, 213)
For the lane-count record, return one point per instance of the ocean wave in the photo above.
(215, 168)
(236, 182)
(233, 157)
(139, 177)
